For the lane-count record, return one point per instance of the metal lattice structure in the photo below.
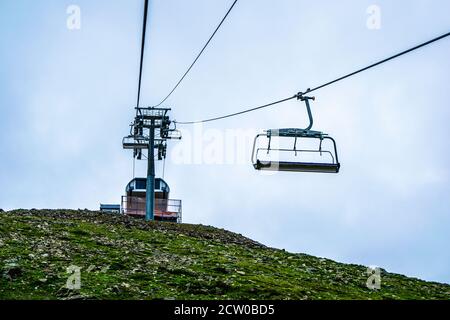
(150, 131)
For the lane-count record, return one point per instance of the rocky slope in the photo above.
(126, 258)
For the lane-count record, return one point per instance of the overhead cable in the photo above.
(300, 94)
(198, 56)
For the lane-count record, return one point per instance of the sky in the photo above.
(67, 97)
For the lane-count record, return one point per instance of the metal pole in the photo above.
(150, 193)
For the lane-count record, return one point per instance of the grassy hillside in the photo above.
(125, 258)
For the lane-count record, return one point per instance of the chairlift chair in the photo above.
(329, 165)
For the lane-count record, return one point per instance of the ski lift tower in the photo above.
(150, 131)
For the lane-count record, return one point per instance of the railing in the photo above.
(165, 210)
(153, 112)
(132, 142)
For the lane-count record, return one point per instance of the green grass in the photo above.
(125, 258)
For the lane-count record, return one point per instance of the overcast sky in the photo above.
(67, 98)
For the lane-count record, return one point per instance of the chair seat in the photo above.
(297, 166)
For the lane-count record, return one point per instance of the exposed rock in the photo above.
(12, 271)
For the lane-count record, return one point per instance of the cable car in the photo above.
(133, 203)
(321, 157)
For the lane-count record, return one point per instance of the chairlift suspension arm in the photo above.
(295, 146)
(301, 97)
